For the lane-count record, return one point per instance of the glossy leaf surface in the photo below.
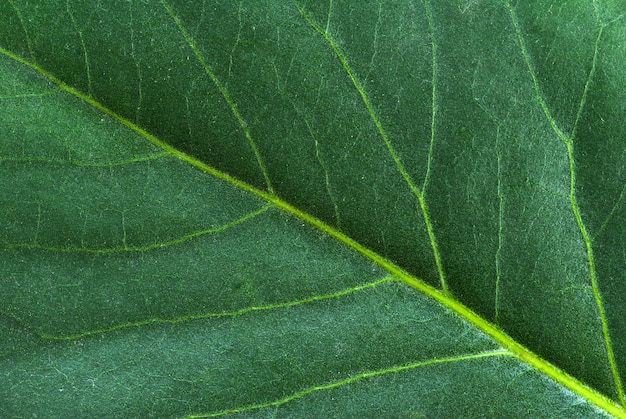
(312, 209)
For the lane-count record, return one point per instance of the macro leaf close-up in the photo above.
(312, 209)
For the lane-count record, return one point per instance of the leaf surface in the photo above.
(312, 209)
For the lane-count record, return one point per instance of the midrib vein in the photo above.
(519, 351)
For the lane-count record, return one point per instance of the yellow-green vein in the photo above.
(202, 316)
(608, 218)
(586, 238)
(526, 56)
(320, 160)
(500, 195)
(326, 178)
(223, 91)
(394, 155)
(353, 379)
(445, 299)
(594, 280)
(589, 76)
(146, 248)
(572, 196)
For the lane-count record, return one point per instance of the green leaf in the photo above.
(312, 209)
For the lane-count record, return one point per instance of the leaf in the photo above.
(312, 209)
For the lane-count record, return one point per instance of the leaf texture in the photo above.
(312, 209)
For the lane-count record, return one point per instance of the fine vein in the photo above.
(501, 208)
(29, 43)
(433, 115)
(126, 248)
(84, 47)
(353, 379)
(588, 241)
(594, 279)
(394, 155)
(527, 60)
(202, 316)
(224, 93)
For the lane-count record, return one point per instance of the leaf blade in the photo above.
(320, 155)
